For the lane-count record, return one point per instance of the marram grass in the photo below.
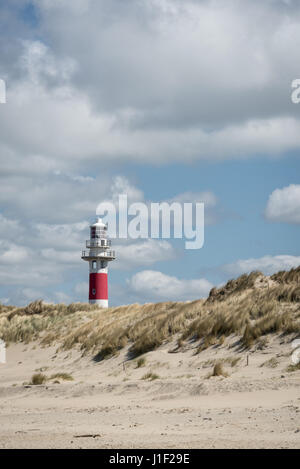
(250, 308)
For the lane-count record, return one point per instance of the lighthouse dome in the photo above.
(98, 223)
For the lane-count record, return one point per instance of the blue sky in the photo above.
(157, 100)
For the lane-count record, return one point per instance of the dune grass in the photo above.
(292, 368)
(150, 376)
(141, 362)
(63, 376)
(38, 378)
(38, 320)
(249, 308)
(219, 370)
(271, 363)
(230, 361)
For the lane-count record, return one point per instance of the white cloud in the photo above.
(40, 255)
(208, 197)
(40, 274)
(60, 256)
(153, 286)
(212, 209)
(266, 264)
(39, 63)
(215, 54)
(63, 236)
(166, 82)
(11, 253)
(121, 185)
(10, 228)
(284, 205)
(51, 198)
(91, 134)
(222, 94)
(142, 253)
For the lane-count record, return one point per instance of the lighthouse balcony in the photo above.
(98, 243)
(108, 255)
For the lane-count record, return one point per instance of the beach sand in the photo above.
(108, 405)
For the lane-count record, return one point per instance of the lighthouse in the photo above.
(98, 255)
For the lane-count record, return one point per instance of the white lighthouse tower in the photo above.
(98, 255)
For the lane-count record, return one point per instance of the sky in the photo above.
(162, 100)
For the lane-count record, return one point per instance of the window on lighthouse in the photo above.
(93, 232)
(94, 265)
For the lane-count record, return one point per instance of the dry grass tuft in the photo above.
(218, 370)
(234, 286)
(292, 368)
(272, 363)
(249, 308)
(40, 321)
(38, 378)
(286, 277)
(63, 376)
(141, 362)
(150, 376)
(232, 361)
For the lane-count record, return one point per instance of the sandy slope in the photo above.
(108, 405)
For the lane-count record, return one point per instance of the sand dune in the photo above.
(108, 405)
(202, 374)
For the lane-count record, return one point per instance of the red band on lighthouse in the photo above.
(98, 287)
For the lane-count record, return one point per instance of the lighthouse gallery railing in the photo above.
(110, 254)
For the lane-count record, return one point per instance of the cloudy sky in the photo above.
(160, 99)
